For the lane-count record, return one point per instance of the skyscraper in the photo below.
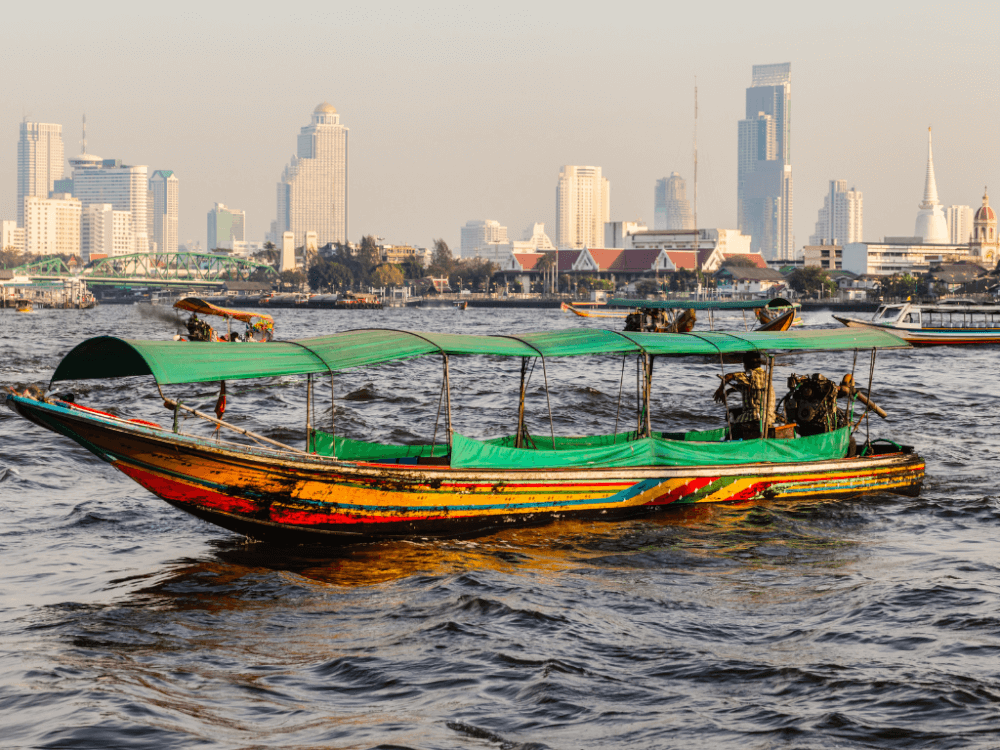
(671, 207)
(931, 225)
(225, 226)
(842, 223)
(583, 205)
(125, 187)
(764, 181)
(163, 186)
(959, 224)
(479, 234)
(312, 193)
(39, 162)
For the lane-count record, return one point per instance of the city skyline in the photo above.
(424, 160)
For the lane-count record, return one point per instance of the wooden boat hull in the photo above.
(930, 336)
(297, 497)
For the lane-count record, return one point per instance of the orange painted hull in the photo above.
(281, 494)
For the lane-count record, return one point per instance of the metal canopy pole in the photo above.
(765, 412)
(309, 395)
(649, 389)
(520, 406)
(552, 426)
(447, 386)
(621, 385)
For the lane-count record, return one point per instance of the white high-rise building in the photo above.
(583, 206)
(11, 236)
(40, 155)
(52, 225)
(959, 224)
(312, 193)
(163, 186)
(671, 207)
(845, 221)
(124, 187)
(105, 232)
(931, 226)
(477, 236)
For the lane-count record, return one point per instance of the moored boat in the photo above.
(23, 305)
(341, 489)
(947, 322)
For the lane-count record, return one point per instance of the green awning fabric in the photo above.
(188, 362)
(468, 453)
(710, 304)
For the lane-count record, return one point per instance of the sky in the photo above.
(462, 111)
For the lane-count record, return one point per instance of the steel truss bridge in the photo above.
(155, 269)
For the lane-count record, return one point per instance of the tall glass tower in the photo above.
(764, 187)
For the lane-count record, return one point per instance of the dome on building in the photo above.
(985, 212)
(325, 109)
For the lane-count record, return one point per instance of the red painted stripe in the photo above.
(685, 489)
(189, 494)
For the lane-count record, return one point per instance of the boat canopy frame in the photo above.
(172, 362)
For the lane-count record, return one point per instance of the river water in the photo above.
(867, 623)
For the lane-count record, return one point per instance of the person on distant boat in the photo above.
(198, 329)
(752, 385)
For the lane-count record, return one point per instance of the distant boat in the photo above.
(24, 305)
(678, 315)
(461, 304)
(958, 321)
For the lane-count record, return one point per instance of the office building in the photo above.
(11, 236)
(163, 208)
(225, 226)
(932, 225)
(479, 235)
(40, 157)
(583, 207)
(105, 232)
(959, 223)
(764, 168)
(842, 217)
(52, 225)
(125, 187)
(312, 193)
(671, 207)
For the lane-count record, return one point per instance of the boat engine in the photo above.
(812, 404)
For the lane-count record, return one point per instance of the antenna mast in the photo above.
(696, 168)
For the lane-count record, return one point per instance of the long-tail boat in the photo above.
(340, 489)
(957, 321)
(678, 315)
(259, 326)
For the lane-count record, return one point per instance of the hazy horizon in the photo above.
(459, 113)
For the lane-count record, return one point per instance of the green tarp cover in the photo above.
(356, 450)
(708, 304)
(189, 362)
(475, 454)
(543, 442)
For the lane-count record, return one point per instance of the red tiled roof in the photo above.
(605, 257)
(757, 258)
(704, 253)
(636, 260)
(528, 261)
(567, 258)
(686, 258)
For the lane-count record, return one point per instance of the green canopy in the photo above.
(190, 362)
(708, 304)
